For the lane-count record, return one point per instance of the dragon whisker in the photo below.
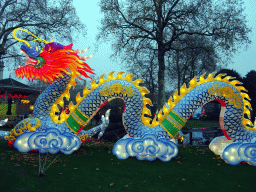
(80, 57)
(82, 51)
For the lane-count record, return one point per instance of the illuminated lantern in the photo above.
(31, 107)
(24, 101)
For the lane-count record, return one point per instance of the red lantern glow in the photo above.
(17, 96)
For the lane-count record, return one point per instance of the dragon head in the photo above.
(52, 62)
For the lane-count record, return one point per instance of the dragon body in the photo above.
(61, 65)
(171, 118)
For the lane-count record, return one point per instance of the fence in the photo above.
(196, 142)
(208, 136)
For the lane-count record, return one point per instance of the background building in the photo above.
(16, 98)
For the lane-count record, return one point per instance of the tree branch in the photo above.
(135, 25)
(7, 3)
(169, 13)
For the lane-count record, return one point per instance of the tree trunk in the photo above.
(178, 70)
(161, 87)
(151, 78)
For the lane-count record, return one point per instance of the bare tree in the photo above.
(144, 66)
(43, 18)
(167, 21)
(201, 57)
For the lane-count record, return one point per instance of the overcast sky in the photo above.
(89, 13)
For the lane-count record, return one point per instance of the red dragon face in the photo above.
(52, 62)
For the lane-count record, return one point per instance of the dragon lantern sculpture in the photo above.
(61, 65)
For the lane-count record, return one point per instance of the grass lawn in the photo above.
(94, 168)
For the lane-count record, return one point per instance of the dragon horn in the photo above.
(37, 38)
